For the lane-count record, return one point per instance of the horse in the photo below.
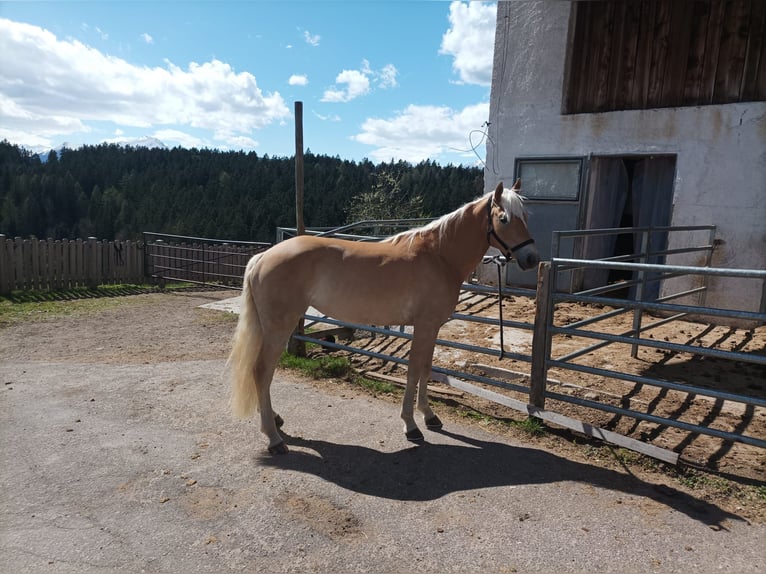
(412, 278)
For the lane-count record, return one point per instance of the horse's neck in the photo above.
(465, 242)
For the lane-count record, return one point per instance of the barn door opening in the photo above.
(625, 192)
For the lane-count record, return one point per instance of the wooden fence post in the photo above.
(6, 265)
(540, 337)
(295, 346)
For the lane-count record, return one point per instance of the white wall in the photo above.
(721, 150)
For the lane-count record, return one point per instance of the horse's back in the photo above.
(379, 283)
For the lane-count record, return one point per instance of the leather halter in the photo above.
(491, 233)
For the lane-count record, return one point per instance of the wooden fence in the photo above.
(63, 264)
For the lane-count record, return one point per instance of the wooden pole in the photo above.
(294, 346)
(299, 224)
(539, 373)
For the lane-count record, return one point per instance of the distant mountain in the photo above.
(145, 141)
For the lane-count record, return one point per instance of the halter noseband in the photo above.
(491, 233)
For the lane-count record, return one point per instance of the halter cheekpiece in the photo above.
(491, 233)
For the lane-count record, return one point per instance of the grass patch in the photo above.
(532, 426)
(322, 366)
(317, 367)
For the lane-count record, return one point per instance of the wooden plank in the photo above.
(65, 262)
(755, 59)
(674, 78)
(18, 250)
(6, 265)
(623, 82)
(604, 30)
(33, 245)
(695, 65)
(640, 92)
(580, 57)
(567, 422)
(659, 40)
(399, 382)
(712, 49)
(731, 58)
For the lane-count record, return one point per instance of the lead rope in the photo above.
(499, 262)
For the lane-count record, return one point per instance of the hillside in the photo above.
(115, 192)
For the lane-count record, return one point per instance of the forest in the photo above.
(114, 192)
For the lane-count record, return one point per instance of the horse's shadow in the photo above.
(430, 471)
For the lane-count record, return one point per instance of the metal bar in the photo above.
(207, 239)
(491, 321)
(678, 348)
(409, 337)
(717, 271)
(586, 350)
(596, 319)
(402, 361)
(708, 311)
(663, 384)
(659, 420)
(623, 230)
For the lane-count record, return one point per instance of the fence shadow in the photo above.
(77, 293)
(430, 471)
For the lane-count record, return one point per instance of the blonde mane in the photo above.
(511, 201)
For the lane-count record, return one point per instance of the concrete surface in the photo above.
(140, 468)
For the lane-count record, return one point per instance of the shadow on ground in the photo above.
(430, 471)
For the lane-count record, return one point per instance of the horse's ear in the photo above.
(516, 186)
(498, 193)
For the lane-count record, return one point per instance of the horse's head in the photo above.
(507, 226)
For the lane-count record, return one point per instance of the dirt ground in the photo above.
(164, 327)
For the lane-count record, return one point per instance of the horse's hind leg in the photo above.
(264, 374)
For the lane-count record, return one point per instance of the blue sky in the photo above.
(379, 80)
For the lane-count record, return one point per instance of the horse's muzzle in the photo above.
(527, 257)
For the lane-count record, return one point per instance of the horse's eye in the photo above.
(503, 218)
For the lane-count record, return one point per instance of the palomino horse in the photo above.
(412, 278)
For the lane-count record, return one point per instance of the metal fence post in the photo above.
(541, 336)
(640, 289)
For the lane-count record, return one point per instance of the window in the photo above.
(550, 178)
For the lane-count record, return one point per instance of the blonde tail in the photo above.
(246, 347)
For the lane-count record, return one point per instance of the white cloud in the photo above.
(470, 40)
(147, 38)
(422, 132)
(387, 77)
(298, 80)
(330, 118)
(54, 87)
(311, 39)
(357, 82)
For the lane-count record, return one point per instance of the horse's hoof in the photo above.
(415, 435)
(279, 421)
(434, 423)
(279, 448)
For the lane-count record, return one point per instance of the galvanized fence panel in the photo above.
(635, 340)
(199, 260)
(534, 393)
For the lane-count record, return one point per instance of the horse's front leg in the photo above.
(421, 356)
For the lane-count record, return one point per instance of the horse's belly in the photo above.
(371, 309)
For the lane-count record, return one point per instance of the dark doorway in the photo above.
(628, 192)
